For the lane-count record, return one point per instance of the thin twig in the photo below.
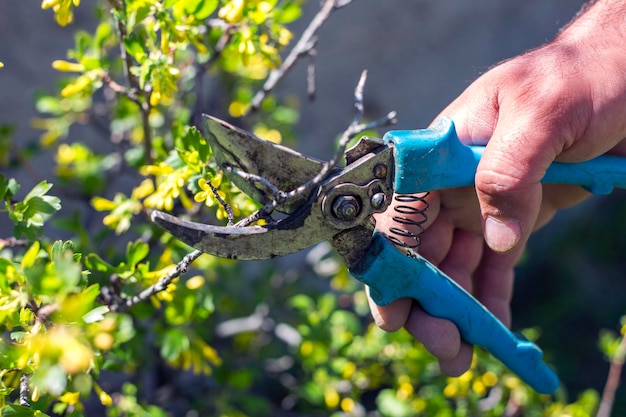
(613, 380)
(117, 88)
(24, 391)
(303, 47)
(223, 203)
(310, 76)
(160, 285)
(144, 105)
(11, 242)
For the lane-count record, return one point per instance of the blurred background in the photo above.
(420, 55)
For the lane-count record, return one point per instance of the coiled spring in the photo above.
(411, 215)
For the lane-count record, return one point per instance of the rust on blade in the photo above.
(246, 243)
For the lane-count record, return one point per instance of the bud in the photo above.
(66, 66)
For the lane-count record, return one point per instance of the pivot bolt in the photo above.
(346, 207)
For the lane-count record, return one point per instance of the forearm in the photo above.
(597, 19)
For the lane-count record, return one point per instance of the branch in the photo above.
(303, 47)
(144, 105)
(24, 391)
(11, 242)
(160, 285)
(613, 380)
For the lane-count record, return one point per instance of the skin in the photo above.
(564, 101)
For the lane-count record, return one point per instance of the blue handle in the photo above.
(435, 159)
(392, 275)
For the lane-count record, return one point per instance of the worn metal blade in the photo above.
(287, 236)
(282, 167)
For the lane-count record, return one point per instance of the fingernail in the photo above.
(502, 235)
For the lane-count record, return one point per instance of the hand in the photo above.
(565, 101)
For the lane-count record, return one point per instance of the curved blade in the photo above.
(284, 168)
(290, 235)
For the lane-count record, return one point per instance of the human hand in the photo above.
(564, 101)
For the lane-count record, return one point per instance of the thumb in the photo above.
(508, 183)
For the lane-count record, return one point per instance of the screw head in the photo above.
(378, 200)
(346, 207)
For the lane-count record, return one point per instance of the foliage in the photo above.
(81, 336)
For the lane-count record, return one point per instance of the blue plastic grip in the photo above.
(391, 275)
(435, 159)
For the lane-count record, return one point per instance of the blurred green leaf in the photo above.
(390, 405)
(175, 342)
(135, 252)
(13, 410)
(289, 13)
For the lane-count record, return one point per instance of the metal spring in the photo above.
(410, 216)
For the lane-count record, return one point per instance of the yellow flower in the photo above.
(65, 154)
(102, 204)
(207, 194)
(46, 4)
(271, 135)
(143, 190)
(306, 348)
(479, 388)
(405, 391)
(238, 109)
(284, 36)
(1, 64)
(331, 398)
(489, 379)
(161, 169)
(195, 282)
(232, 12)
(450, 390)
(105, 399)
(103, 341)
(80, 84)
(70, 398)
(66, 66)
(347, 405)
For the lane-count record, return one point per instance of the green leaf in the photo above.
(4, 186)
(68, 272)
(14, 410)
(38, 190)
(96, 314)
(31, 255)
(175, 342)
(102, 35)
(136, 252)
(134, 45)
(205, 8)
(48, 104)
(289, 13)
(389, 405)
(326, 304)
(46, 204)
(302, 302)
(96, 263)
(58, 247)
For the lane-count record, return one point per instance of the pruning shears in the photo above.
(340, 208)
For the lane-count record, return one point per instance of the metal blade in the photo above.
(289, 235)
(284, 168)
